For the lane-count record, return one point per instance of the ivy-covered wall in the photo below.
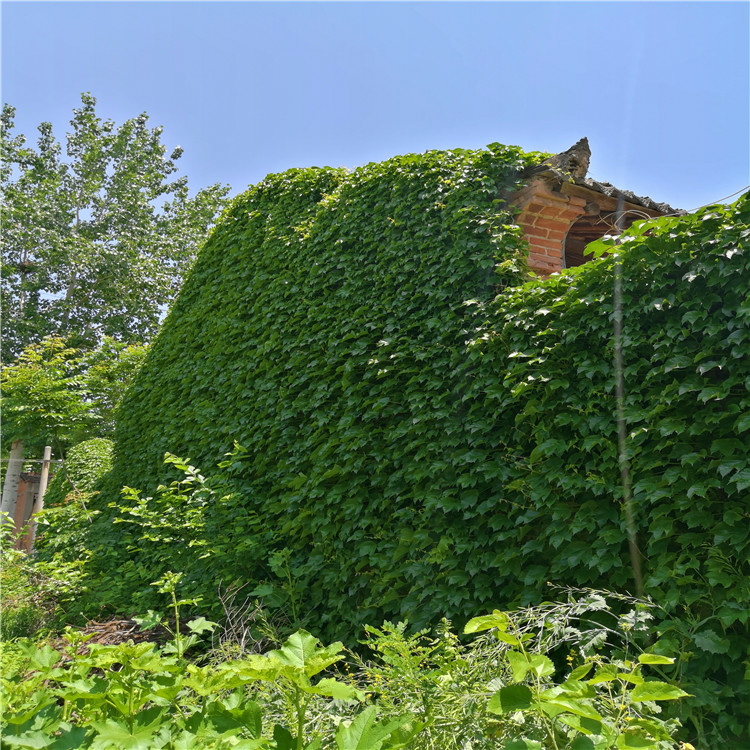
(423, 438)
(327, 308)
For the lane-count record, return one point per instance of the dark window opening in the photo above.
(586, 230)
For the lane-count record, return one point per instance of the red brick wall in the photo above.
(545, 217)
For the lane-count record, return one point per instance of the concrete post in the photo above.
(39, 504)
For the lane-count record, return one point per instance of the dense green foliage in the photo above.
(85, 464)
(33, 593)
(56, 394)
(415, 446)
(421, 691)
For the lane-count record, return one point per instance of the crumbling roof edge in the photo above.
(571, 166)
(608, 189)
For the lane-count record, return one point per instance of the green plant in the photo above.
(451, 685)
(85, 464)
(292, 666)
(31, 593)
(167, 531)
(135, 696)
(167, 584)
(603, 711)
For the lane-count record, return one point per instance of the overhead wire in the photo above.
(712, 203)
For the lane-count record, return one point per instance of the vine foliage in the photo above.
(425, 436)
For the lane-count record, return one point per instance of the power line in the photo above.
(713, 203)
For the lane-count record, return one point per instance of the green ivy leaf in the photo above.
(710, 641)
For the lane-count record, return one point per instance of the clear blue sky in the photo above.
(661, 89)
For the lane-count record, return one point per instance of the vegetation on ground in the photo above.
(423, 690)
(417, 440)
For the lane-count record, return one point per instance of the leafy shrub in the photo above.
(504, 690)
(85, 464)
(62, 545)
(31, 593)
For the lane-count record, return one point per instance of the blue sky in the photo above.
(661, 89)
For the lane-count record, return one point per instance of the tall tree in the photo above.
(96, 244)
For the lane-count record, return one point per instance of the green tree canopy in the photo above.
(96, 245)
(57, 394)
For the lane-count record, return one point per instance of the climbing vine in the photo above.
(423, 436)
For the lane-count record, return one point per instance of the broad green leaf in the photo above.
(580, 672)
(635, 740)
(582, 724)
(709, 640)
(229, 676)
(519, 665)
(578, 707)
(575, 689)
(632, 678)
(605, 673)
(509, 699)
(71, 738)
(254, 667)
(363, 733)
(522, 744)
(302, 653)
(582, 742)
(334, 689)
(656, 728)
(497, 619)
(742, 423)
(655, 659)
(117, 733)
(44, 703)
(505, 637)
(541, 665)
(31, 739)
(263, 590)
(42, 658)
(224, 718)
(283, 738)
(150, 620)
(201, 625)
(656, 691)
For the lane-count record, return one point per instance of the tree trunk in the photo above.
(12, 478)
